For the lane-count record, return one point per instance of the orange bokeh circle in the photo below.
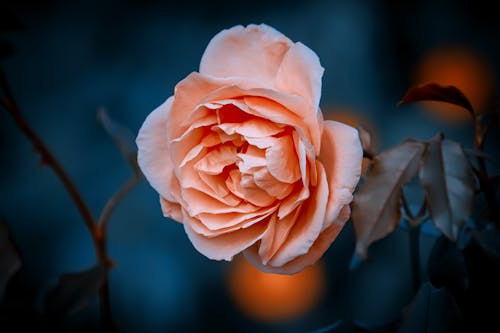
(461, 67)
(273, 297)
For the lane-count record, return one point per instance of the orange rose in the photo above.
(241, 156)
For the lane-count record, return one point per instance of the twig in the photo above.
(48, 158)
(113, 202)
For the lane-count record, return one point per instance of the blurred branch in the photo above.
(114, 201)
(10, 105)
(414, 238)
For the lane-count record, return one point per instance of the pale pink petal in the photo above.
(274, 237)
(253, 194)
(171, 209)
(234, 220)
(154, 153)
(198, 202)
(261, 143)
(309, 224)
(271, 185)
(281, 160)
(255, 51)
(215, 161)
(225, 246)
(321, 244)
(341, 155)
(254, 128)
(299, 194)
(300, 74)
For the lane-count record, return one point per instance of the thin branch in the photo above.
(114, 201)
(48, 158)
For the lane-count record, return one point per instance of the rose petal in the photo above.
(253, 51)
(322, 243)
(271, 185)
(300, 74)
(281, 160)
(171, 209)
(215, 161)
(254, 128)
(198, 202)
(341, 155)
(309, 224)
(276, 235)
(153, 153)
(253, 194)
(233, 220)
(225, 246)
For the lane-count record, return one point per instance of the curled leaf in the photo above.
(74, 291)
(431, 311)
(10, 262)
(366, 140)
(123, 138)
(437, 93)
(375, 206)
(449, 186)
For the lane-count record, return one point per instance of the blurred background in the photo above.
(73, 57)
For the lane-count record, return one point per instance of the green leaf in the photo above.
(74, 291)
(449, 186)
(10, 261)
(123, 138)
(437, 93)
(376, 206)
(446, 266)
(431, 311)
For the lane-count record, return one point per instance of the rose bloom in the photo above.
(242, 157)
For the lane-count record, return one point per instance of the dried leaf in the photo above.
(375, 207)
(449, 185)
(366, 140)
(489, 240)
(74, 291)
(438, 93)
(123, 138)
(10, 261)
(446, 266)
(431, 311)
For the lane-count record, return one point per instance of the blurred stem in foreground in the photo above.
(414, 223)
(97, 229)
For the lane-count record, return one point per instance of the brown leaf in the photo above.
(375, 207)
(366, 140)
(449, 185)
(74, 291)
(437, 93)
(10, 262)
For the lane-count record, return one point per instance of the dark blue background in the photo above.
(127, 56)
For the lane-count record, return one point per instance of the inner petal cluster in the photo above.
(240, 170)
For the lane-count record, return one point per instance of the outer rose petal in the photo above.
(225, 246)
(255, 51)
(153, 155)
(341, 155)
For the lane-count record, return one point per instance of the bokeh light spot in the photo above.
(461, 67)
(273, 297)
